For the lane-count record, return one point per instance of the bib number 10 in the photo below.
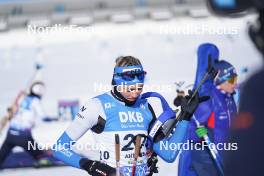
(104, 155)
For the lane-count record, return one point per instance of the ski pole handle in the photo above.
(137, 147)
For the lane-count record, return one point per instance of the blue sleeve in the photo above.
(166, 153)
(203, 112)
(62, 150)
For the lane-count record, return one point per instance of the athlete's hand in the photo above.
(152, 164)
(188, 109)
(201, 131)
(96, 168)
(10, 112)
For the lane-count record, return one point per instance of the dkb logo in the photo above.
(130, 116)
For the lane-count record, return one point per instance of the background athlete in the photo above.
(29, 112)
(214, 116)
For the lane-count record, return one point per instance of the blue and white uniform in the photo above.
(29, 113)
(117, 118)
(19, 133)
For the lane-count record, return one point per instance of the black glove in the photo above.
(96, 168)
(152, 164)
(178, 101)
(189, 108)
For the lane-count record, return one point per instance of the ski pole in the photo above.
(212, 149)
(136, 154)
(170, 124)
(117, 152)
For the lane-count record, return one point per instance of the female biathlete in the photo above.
(120, 111)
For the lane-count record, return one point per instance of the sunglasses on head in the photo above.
(131, 75)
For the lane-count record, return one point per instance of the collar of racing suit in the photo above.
(117, 95)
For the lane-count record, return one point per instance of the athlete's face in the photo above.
(228, 87)
(132, 92)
